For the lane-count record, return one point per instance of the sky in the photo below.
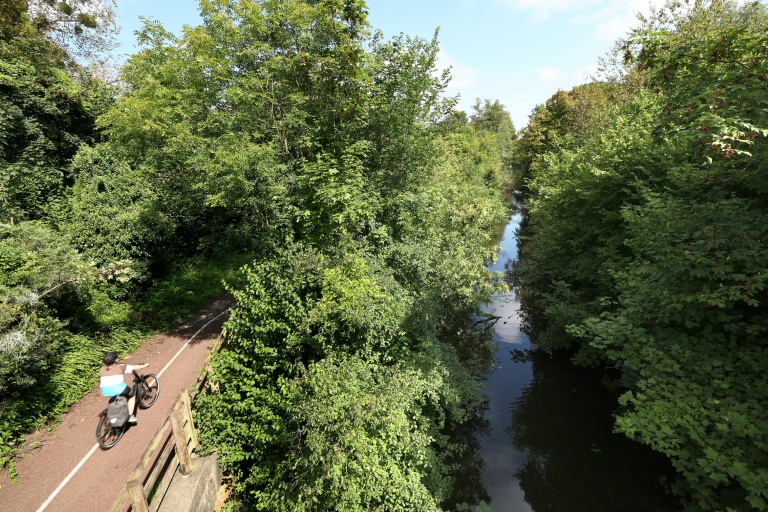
(519, 52)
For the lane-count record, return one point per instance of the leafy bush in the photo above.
(324, 395)
(113, 215)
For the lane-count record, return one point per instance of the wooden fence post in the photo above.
(138, 498)
(188, 412)
(177, 424)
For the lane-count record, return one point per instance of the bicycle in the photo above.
(147, 389)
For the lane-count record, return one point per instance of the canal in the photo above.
(545, 442)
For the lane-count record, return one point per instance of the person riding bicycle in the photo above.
(114, 382)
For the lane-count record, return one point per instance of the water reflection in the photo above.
(476, 349)
(503, 387)
(545, 442)
(468, 483)
(563, 420)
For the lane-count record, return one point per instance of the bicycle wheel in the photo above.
(149, 390)
(108, 436)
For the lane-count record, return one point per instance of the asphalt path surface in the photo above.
(64, 470)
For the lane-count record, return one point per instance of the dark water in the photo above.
(546, 441)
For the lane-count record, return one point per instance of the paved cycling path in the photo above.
(63, 470)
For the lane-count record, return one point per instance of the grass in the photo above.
(193, 284)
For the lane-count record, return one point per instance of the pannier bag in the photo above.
(117, 412)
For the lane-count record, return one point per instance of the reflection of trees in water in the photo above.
(474, 345)
(531, 311)
(468, 464)
(563, 421)
(473, 341)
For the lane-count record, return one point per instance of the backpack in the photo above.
(117, 412)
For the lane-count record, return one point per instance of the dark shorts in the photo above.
(128, 392)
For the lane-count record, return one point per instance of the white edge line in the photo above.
(209, 322)
(93, 449)
(66, 480)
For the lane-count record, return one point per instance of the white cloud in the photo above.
(611, 18)
(462, 77)
(542, 9)
(616, 21)
(549, 75)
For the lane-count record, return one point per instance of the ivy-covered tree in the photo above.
(43, 122)
(46, 115)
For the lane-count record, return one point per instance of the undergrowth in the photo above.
(122, 326)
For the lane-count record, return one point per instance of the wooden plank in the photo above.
(185, 460)
(142, 465)
(190, 436)
(188, 406)
(185, 401)
(166, 452)
(121, 502)
(165, 482)
(138, 498)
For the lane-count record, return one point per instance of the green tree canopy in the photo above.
(645, 247)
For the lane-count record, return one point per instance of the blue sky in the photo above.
(517, 51)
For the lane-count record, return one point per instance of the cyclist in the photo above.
(114, 381)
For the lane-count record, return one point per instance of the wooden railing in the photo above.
(170, 449)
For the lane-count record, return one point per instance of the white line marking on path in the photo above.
(93, 449)
(66, 480)
(189, 341)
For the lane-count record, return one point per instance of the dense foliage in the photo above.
(287, 134)
(80, 231)
(344, 362)
(644, 248)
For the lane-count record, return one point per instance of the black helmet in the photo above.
(110, 358)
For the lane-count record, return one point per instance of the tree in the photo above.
(84, 30)
(711, 70)
(46, 114)
(284, 119)
(11, 18)
(364, 439)
(691, 356)
(565, 121)
(698, 280)
(113, 216)
(44, 120)
(329, 367)
(574, 233)
(646, 248)
(492, 117)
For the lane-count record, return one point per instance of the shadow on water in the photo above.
(563, 422)
(545, 441)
